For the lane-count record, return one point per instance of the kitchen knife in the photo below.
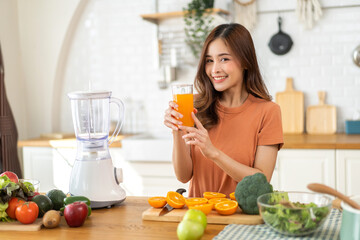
(167, 207)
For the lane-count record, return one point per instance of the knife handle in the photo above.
(181, 190)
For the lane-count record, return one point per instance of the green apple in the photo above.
(190, 230)
(197, 216)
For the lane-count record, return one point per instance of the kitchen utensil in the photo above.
(291, 103)
(304, 220)
(93, 174)
(321, 119)
(176, 215)
(356, 56)
(321, 188)
(280, 43)
(18, 226)
(167, 208)
(350, 222)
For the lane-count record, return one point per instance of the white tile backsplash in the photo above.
(116, 49)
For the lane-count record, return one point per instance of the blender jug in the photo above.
(93, 174)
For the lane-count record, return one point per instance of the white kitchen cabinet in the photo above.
(295, 169)
(146, 177)
(63, 161)
(347, 171)
(37, 163)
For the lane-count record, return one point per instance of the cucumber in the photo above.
(73, 199)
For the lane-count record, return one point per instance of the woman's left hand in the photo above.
(199, 137)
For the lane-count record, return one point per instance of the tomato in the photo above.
(13, 204)
(27, 212)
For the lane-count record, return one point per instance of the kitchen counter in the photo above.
(295, 141)
(66, 142)
(120, 222)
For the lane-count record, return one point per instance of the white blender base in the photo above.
(95, 179)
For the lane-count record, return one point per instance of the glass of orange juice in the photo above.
(183, 96)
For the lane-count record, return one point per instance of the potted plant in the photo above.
(198, 19)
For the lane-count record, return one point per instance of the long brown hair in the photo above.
(238, 39)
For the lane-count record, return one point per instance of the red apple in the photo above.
(13, 177)
(30, 197)
(75, 214)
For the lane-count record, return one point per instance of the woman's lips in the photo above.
(219, 79)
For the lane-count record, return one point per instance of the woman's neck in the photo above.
(234, 99)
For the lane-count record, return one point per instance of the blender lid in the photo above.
(89, 94)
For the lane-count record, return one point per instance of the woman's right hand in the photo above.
(171, 118)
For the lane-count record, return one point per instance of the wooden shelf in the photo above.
(155, 17)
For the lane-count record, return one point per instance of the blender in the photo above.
(93, 174)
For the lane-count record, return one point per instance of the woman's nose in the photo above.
(215, 67)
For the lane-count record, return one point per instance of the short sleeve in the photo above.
(271, 132)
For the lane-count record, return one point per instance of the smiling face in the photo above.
(222, 68)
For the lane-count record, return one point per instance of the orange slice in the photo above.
(195, 201)
(226, 208)
(217, 200)
(232, 196)
(210, 195)
(175, 200)
(205, 208)
(157, 202)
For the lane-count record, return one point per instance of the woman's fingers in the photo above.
(171, 118)
(197, 122)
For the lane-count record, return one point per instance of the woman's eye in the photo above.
(208, 60)
(224, 59)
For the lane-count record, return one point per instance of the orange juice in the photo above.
(186, 106)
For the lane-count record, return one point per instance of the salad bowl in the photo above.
(294, 213)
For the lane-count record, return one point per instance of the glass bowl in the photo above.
(294, 213)
(34, 182)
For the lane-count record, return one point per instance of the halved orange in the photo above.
(205, 208)
(210, 195)
(195, 201)
(232, 196)
(226, 208)
(175, 199)
(157, 202)
(217, 200)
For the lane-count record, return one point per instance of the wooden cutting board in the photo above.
(18, 226)
(321, 119)
(176, 215)
(291, 103)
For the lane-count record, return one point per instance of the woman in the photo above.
(238, 129)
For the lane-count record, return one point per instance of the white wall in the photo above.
(115, 49)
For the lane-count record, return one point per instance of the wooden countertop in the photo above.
(296, 141)
(67, 142)
(120, 222)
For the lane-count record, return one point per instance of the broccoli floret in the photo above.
(249, 189)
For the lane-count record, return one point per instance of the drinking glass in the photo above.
(183, 96)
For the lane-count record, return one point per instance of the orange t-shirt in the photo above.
(239, 131)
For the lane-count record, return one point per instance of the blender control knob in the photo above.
(118, 175)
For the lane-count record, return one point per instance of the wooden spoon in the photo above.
(321, 188)
(288, 204)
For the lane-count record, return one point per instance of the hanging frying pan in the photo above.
(356, 56)
(281, 42)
